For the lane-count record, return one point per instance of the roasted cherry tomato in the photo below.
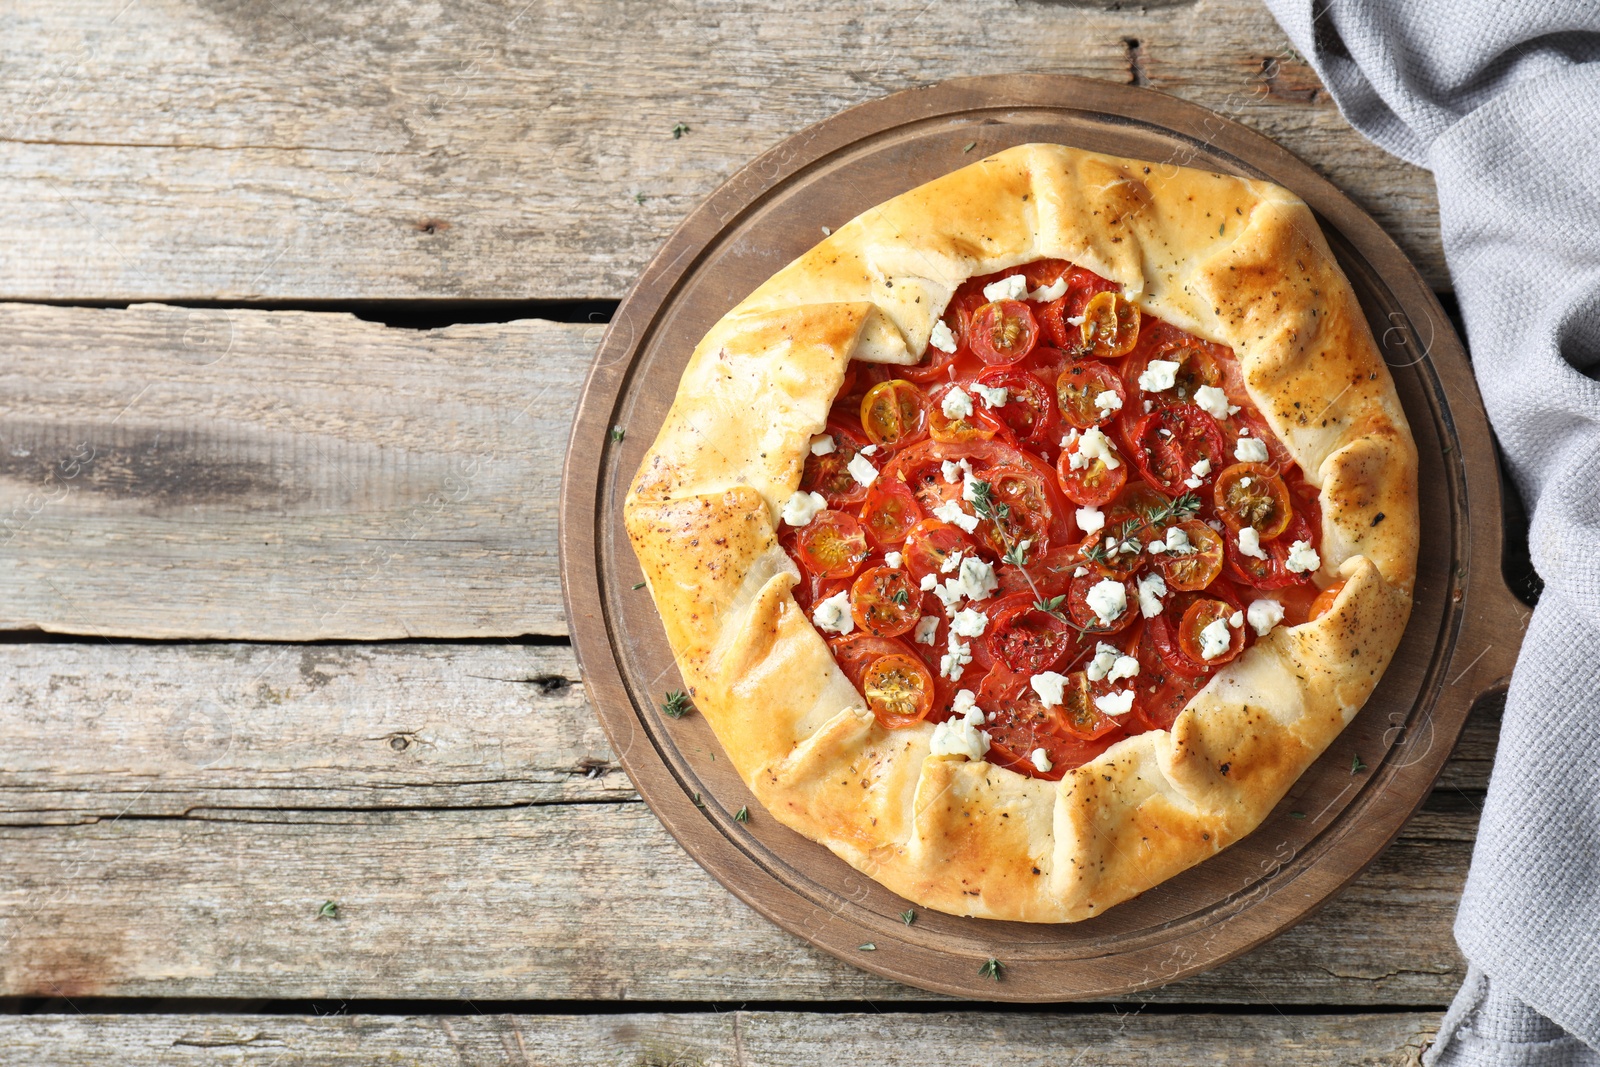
(929, 544)
(1084, 597)
(1116, 550)
(1196, 367)
(963, 305)
(830, 475)
(1020, 723)
(832, 545)
(1168, 442)
(1043, 576)
(857, 653)
(1029, 411)
(1058, 315)
(899, 690)
(895, 413)
(1272, 572)
(1080, 715)
(1324, 602)
(1089, 394)
(1160, 707)
(1093, 483)
(1019, 509)
(890, 512)
(1110, 326)
(1028, 636)
(980, 425)
(1202, 617)
(1003, 331)
(1160, 656)
(1252, 494)
(885, 601)
(1191, 571)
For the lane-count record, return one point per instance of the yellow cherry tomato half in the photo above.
(894, 413)
(1110, 326)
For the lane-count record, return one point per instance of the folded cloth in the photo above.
(1501, 101)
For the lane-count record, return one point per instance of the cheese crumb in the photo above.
(1124, 667)
(862, 470)
(1215, 639)
(869, 450)
(1159, 375)
(1212, 401)
(1250, 543)
(928, 582)
(942, 338)
(1095, 445)
(1041, 761)
(1250, 450)
(801, 508)
(1108, 600)
(1046, 293)
(956, 404)
(958, 737)
(892, 560)
(1050, 686)
(977, 579)
(833, 614)
(1118, 703)
(823, 445)
(1264, 615)
(993, 397)
(1302, 558)
(969, 623)
(1091, 520)
(1152, 587)
(1108, 401)
(1105, 657)
(1014, 287)
(950, 511)
(1178, 542)
(927, 629)
(955, 659)
(1201, 468)
(1236, 620)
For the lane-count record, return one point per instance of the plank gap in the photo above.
(425, 313)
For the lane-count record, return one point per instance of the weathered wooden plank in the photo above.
(734, 1039)
(170, 472)
(93, 731)
(558, 901)
(495, 148)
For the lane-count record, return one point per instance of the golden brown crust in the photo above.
(1238, 262)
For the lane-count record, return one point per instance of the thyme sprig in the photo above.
(985, 507)
(991, 969)
(1051, 606)
(677, 704)
(1181, 509)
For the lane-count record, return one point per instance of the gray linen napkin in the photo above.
(1501, 101)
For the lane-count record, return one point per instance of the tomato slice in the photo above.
(1272, 572)
(890, 512)
(832, 545)
(1020, 509)
(1110, 326)
(981, 425)
(1114, 551)
(1003, 331)
(898, 689)
(1201, 618)
(929, 544)
(1020, 723)
(830, 474)
(885, 601)
(1029, 411)
(1194, 570)
(1025, 637)
(1324, 602)
(895, 413)
(1252, 494)
(1079, 390)
(1095, 482)
(1043, 577)
(1168, 442)
(1081, 598)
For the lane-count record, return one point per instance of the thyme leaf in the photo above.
(1356, 765)
(329, 910)
(742, 815)
(617, 434)
(901, 597)
(908, 916)
(1051, 606)
(991, 969)
(677, 704)
(679, 130)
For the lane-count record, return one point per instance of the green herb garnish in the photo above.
(991, 969)
(901, 597)
(908, 916)
(1051, 606)
(638, 585)
(329, 910)
(867, 946)
(618, 433)
(677, 704)
(1356, 765)
(679, 130)
(742, 815)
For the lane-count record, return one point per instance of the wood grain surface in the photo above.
(181, 473)
(502, 149)
(731, 1039)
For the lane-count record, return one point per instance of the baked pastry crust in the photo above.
(1238, 262)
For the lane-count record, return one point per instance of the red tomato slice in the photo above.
(1082, 285)
(1091, 485)
(885, 601)
(1079, 388)
(1029, 411)
(895, 413)
(1192, 571)
(1197, 618)
(898, 689)
(1080, 715)
(929, 544)
(890, 512)
(1025, 638)
(1021, 509)
(1021, 723)
(832, 545)
(1160, 658)
(981, 425)
(1252, 494)
(1003, 331)
(1272, 572)
(1168, 442)
(1044, 576)
(829, 475)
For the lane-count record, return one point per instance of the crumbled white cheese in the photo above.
(969, 622)
(994, 397)
(927, 629)
(1108, 401)
(1244, 483)
(1264, 615)
(1156, 548)
(1250, 450)
(950, 511)
(1050, 687)
(1079, 572)
(1201, 468)
(949, 594)
(1091, 520)
(1159, 375)
(1302, 558)
(977, 579)
(1096, 445)
(1118, 703)
(1105, 657)
(1236, 620)
(1013, 287)
(955, 660)
(1193, 482)
(823, 445)
(952, 472)
(950, 562)
(1250, 543)
(1125, 667)
(833, 614)
(862, 470)
(1046, 293)
(965, 704)
(869, 450)
(1040, 758)
(928, 582)
(1215, 639)
(1178, 542)
(956, 404)
(1212, 401)
(1108, 600)
(1152, 587)
(958, 737)
(801, 508)
(893, 560)
(942, 338)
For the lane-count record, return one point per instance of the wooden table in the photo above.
(295, 762)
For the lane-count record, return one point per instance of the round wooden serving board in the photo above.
(1462, 640)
